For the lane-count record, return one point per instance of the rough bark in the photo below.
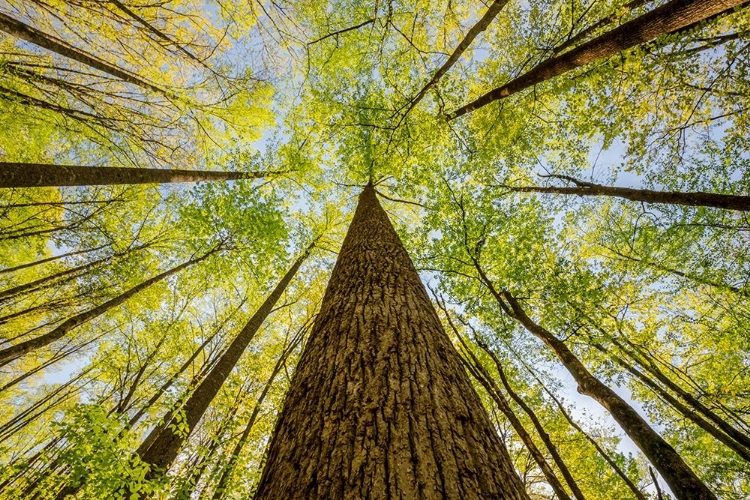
(9, 354)
(379, 405)
(30, 34)
(13, 175)
(669, 18)
(678, 475)
(692, 199)
(165, 447)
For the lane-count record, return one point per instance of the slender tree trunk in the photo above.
(14, 175)
(683, 410)
(604, 454)
(166, 446)
(483, 377)
(30, 34)
(692, 199)
(669, 18)
(681, 479)
(50, 259)
(492, 11)
(698, 279)
(14, 352)
(47, 281)
(650, 367)
(228, 469)
(571, 482)
(379, 405)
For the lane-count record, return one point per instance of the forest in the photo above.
(335, 249)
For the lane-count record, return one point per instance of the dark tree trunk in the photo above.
(165, 447)
(14, 175)
(10, 353)
(669, 18)
(691, 199)
(379, 405)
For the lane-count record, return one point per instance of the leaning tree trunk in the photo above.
(165, 447)
(37, 37)
(669, 18)
(679, 476)
(379, 405)
(16, 351)
(14, 175)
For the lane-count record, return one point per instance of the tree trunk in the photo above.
(481, 25)
(30, 34)
(678, 475)
(165, 447)
(9, 354)
(379, 405)
(228, 469)
(691, 199)
(42, 175)
(669, 18)
(50, 259)
(686, 412)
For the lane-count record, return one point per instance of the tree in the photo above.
(40, 175)
(382, 373)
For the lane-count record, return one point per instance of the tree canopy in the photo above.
(570, 178)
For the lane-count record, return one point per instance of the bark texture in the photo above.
(692, 199)
(669, 18)
(42, 175)
(379, 405)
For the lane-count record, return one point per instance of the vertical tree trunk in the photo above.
(668, 18)
(379, 405)
(14, 175)
(165, 447)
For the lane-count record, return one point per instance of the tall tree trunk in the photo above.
(14, 175)
(166, 446)
(50, 259)
(37, 37)
(602, 452)
(492, 11)
(10, 353)
(669, 18)
(227, 470)
(678, 475)
(379, 405)
(571, 482)
(686, 412)
(691, 199)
